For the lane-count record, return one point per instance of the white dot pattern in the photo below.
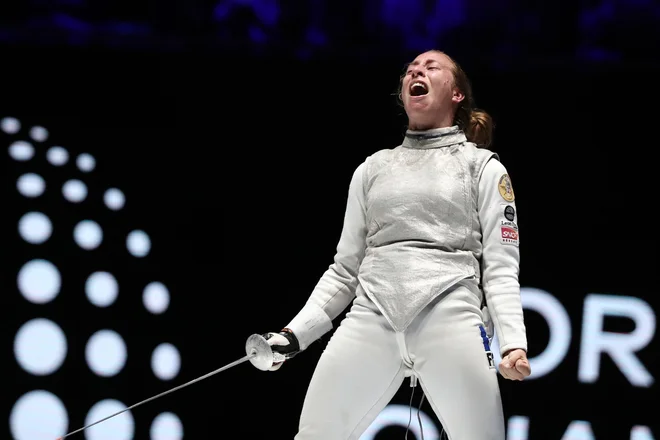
(21, 151)
(40, 345)
(86, 162)
(138, 243)
(166, 426)
(31, 185)
(88, 234)
(156, 297)
(57, 156)
(38, 415)
(39, 281)
(74, 191)
(121, 427)
(35, 227)
(101, 289)
(10, 125)
(166, 361)
(114, 199)
(106, 353)
(38, 133)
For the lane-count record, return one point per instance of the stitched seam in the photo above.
(377, 400)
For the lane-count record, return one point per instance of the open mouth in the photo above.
(418, 88)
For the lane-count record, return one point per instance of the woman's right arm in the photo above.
(336, 288)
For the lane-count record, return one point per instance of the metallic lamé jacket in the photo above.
(420, 218)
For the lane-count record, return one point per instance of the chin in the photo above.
(419, 107)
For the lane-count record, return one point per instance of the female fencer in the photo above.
(429, 258)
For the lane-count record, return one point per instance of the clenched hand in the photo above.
(514, 365)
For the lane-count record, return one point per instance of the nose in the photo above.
(417, 71)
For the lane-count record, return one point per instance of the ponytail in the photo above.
(476, 124)
(479, 128)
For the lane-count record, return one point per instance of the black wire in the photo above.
(419, 418)
(443, 433)
(410, 417)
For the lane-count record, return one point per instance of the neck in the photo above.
(416, 125)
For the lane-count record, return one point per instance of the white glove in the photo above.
(285, 346)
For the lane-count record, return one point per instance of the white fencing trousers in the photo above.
(366, 361)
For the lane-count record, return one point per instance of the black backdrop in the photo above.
(238, 168)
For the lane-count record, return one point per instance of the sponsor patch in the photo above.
(509, 235)
(505, 188)
(509, 213)
(509, 224)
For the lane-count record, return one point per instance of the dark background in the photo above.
(235, 148)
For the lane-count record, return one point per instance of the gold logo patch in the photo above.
(506, 190)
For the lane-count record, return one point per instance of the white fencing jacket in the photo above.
(421, 217)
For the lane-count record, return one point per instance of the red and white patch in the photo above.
(509, 235)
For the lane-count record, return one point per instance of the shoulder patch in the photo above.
(509, 234)
(505, 188)
(509, 213)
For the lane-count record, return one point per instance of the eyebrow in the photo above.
(416, 63)
(428, 61)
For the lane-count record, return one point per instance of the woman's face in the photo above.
(428, 91)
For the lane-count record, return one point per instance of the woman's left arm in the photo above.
(501, 256)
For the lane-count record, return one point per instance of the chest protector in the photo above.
(423, 234)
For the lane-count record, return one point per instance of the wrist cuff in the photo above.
(309, 325)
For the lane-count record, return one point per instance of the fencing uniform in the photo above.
(430, 228)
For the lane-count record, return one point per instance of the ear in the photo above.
(457, 96)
